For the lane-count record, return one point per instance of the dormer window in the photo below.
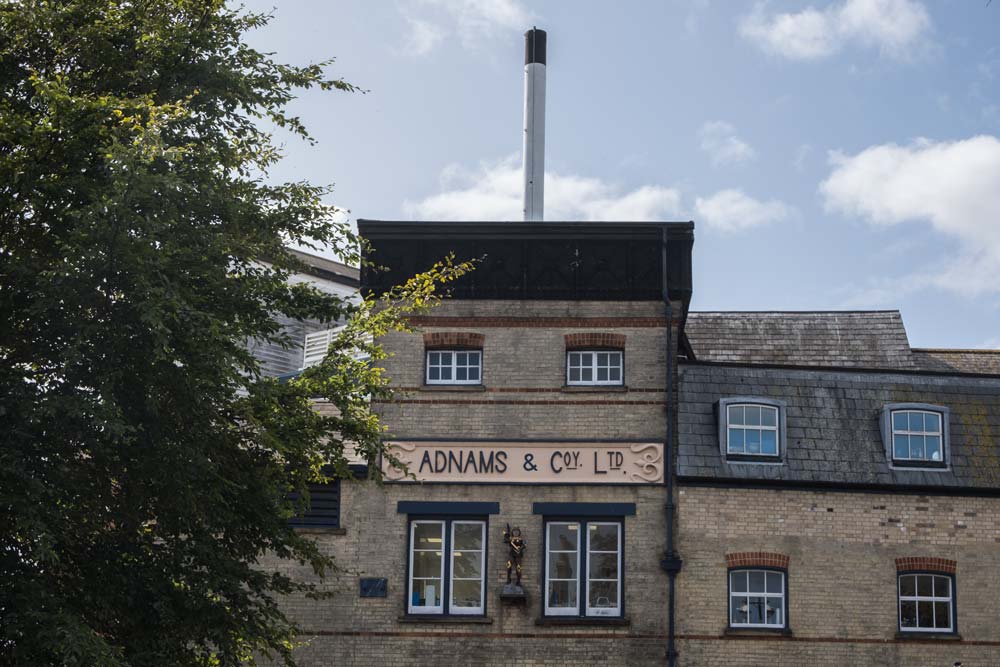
(916, 435)
(751, 429)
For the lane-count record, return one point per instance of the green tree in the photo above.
(144, 463)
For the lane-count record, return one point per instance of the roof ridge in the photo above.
(955, 350)
(790, 312)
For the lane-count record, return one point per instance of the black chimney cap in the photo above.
(534, 46)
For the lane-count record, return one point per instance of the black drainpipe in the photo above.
(672, 562)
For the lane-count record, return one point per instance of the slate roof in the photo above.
(961, 361)
(858, 339)
(833, 425)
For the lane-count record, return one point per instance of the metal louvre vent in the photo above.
(316, 346)
(324, 506)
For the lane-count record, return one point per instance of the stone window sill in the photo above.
(440, 618)
(929, 636)
(582, 621)
(757, 632)
(453, 387)
(594, 389)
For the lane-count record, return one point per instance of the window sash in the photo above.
(933, 600)
(583, 363)
(481, 552)
(923, 433)
(617, 609)
(549, 579)
(760, 429)
(748, 594)
(440, 366)
(413, 551)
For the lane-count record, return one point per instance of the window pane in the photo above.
(602, 358)
(916, 421)
(916, 446)
(774, 582)
(461, 358)
(615, 358)
(901, 446)
(446, 358)
(736, 415)
(899, 421)
(574, 360)
(466, 593)
(753, 441)
(907, 585)
(587, 374)
(615, 374)
(474, 373)
(768, 442)
(775, 611)
(932, 423)
(427, 535)
(603, 594)
(908, 614)
(467, 564)
(562, 566)
(932, 444)
(736, 440)
(461, 373)
(769, 416)
(562, 594)
(603, 566)
(757, 609)
(586, 358)
(563, 537)
(468, 536)
(426, 563)
(426, 593)
(574, 374)
(753, 415)
(446, 372)
(925, 614)
(602, 374)
(756, 581)
(434, 373)
(942, 615)
(738, 582)
(434, 358)
(603, 537)
(925, 585)
(942, 587)
(738, 610)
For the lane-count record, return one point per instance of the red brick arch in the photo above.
(756, 559)
(595, 340)
(927, 563)
(462, 340)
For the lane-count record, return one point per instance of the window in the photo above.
(594, 368)
(917, 437)
(583, 564)
(757, 599)
(447, 567)
(323, 510)
(926, 603)
(753, 429)
(454, 366)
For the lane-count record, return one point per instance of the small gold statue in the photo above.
(513, 539)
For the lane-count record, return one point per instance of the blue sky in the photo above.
(839, 155)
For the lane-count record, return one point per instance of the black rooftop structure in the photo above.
(578, 261)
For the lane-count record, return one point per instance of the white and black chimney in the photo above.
(534, 124)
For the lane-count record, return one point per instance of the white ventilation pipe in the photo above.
(534, 124)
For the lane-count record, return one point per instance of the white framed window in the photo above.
(757, 598)
(752, 429)
(926, 603)
(594, 367)
(454, 366)
(447, 564)
(917, 436)
(583, 565)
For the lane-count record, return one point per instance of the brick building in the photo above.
(834, 492)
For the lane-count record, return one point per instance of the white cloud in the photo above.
(474, 21)
(423, 37)
(719, 140)
(732, 211)
(951, 185)
(495, 192)
(895, 27)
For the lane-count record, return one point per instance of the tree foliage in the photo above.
(145, 463)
